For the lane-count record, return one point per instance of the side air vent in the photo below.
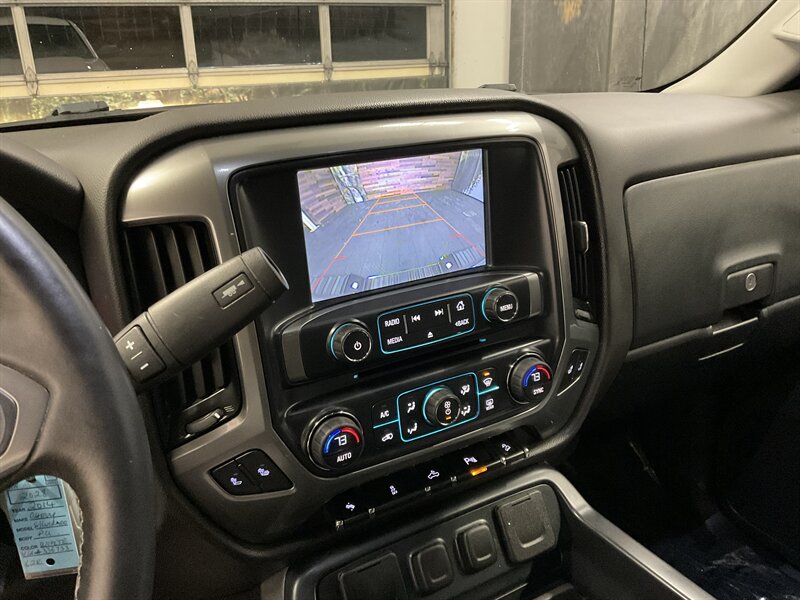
(162, 258)
(579, 222)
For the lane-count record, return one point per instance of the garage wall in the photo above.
(416, 174)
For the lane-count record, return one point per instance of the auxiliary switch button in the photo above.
(476, 546)
(263, 471)
(233, 479)
(432, 568)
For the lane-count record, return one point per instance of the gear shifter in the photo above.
(199, 316)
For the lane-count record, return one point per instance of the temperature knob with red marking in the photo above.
(530, 379)
(336, 442)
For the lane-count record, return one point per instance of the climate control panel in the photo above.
(361, 430)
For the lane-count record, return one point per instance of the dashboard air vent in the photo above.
(161, 258)
(579, 223)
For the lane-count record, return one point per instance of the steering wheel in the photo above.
(67, 408)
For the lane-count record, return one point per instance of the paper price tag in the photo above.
(38, 510)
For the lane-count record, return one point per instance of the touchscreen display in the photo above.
(377, 224)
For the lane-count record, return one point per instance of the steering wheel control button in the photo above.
(432, 568)
(263, 471)
(138, 355)
(476, 546)
(231, 291)
(441, 407)
(233, 479)
(500, 305)
(336, 442)
(351, 342)
(530, 380)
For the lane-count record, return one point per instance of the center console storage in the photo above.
(530, 536)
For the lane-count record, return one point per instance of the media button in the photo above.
(437, 315)
(460, 306)
(398, 341)
(463, 323)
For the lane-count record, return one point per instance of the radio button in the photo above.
(392, 324)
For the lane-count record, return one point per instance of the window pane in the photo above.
(378, 32)
(231, 36)
(10, 63)
(103, 38)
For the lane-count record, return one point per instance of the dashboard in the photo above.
(472, 275)
(429, 309)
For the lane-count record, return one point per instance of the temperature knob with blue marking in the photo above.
(336, 442)
(530, 379)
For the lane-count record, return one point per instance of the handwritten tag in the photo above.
(40, 519)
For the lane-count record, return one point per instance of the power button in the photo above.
(351, 342)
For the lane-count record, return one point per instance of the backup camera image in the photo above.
(378, 224)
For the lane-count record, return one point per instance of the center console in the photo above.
(429, 338)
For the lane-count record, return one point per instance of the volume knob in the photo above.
(351, 342)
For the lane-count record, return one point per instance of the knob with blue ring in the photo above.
(530, 379)
(336, 442)
(499, 305)
(441, 406)
(350, 342)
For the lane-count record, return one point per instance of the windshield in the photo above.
(155, 53)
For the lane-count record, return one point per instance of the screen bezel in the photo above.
(386, 155)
